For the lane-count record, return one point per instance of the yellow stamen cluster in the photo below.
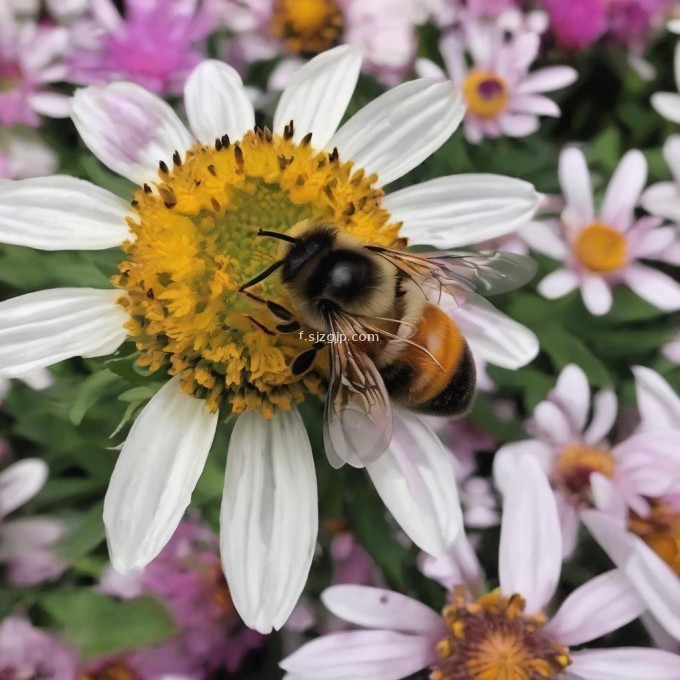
(113, 670)
(601, 248)
(307, 26)
(492, 638)
(195, 243)
(486, 93)
(575, 465)
(661, 532)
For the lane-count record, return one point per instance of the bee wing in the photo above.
(358, 416)
(458, 272)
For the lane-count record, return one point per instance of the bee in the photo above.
(417, 356)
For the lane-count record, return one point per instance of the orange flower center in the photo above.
(114, 670)
(486, 93)
(575, 465)
(600, 248)
(307, 26)
(661, 532)
(493, 638)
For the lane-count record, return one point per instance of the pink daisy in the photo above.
(604, 249)
(24, 154)
(502, 633)
(156, 44)
(502, 96)
(31, 58)
(663, 198)
(571, 449)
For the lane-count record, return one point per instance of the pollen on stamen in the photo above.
(195, 244)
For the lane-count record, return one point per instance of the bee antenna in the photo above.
(276, 234)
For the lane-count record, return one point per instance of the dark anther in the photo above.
(149, 294)
(285, 162)
(268, 134)
(238, 155)
(147, 189)
(134, 203)
(306, 139)
(212, 171)
(349, 210)
(215, 203)
(333, 155)
(288, 131)
(218, 144)
(197, 182)
(225, 141)
(163, 167)
(176, 158)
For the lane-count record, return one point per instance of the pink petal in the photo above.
(507, 458)
(530, 554)
(558, 283)
(518, 124)
(550, 421)
(374, 654)
(625, 663)
(607, 499)
(451, 50)
(382, 609)
(624, 190)
(657, 402)
(597, 295)
(572, 392)
(576, 187)
(653, 579)
(663, 199)
(20, 482)
(544, 237)
(548, 79)
(653, 286)
(671, 153)
(654, 244)
(605, 406)
(535, 104)
(600, 606)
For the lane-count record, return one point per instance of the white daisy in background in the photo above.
(663, 198)
(571, 450)
(601, 250)
(501, 95)
(668, 103)
(645, 543)
(504, 633)
(189, 242)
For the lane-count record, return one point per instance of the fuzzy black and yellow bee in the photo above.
(391, 338)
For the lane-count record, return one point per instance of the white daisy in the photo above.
(668, 103)
(189, 242)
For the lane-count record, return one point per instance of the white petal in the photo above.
(382, 609)
(535, 104)
(576, 187)
(217, 103)
(269, 517)
(530, 553)
(61, 213)
(625, 663)
(518, 124)
(40, 329)
(424, 68)
(20, 482)
(507, 459)
(653, 286)
(460, 210)
(658, 404)
(601, 605)
(495, 337)
(415, 480)
(668, 105)
(318, 94)
(558, 283)
(129, 129)
(51, 104)
(663, 199)
(374, 654)
(654, 580)
(401, 128)
(155, 475)
(623, 190)
(543, 237)
(597, 295)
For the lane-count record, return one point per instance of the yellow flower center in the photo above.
(307, 26)
(113, 670)
(575, 465)
(661, 532)
(486, 93)
(195, 243)
(600, 248)
(492, 639)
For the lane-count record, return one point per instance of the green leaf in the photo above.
(85, 536)
(627, 306)
(90, 391)
(98, 625)
(563, 348)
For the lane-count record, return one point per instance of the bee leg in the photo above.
(279, 311)
(303, 361)
(261, 326)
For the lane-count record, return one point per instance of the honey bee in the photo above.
(355, 292)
